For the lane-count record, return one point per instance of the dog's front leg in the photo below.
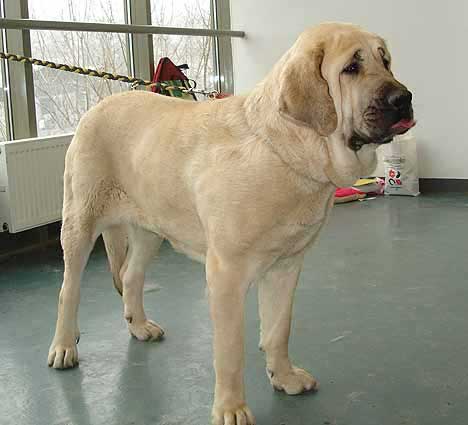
(228, 284)
(276, 295)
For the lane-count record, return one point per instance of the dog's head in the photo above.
(338, 77)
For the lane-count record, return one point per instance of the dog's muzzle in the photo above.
(391, 114)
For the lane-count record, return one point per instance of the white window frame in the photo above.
(19, 81)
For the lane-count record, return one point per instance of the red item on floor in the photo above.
(348, 194)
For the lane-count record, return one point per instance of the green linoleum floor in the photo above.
(381, 319)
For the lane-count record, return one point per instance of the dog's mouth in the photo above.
(359, 139)
(402, 126)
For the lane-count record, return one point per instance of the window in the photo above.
(46, 102)
(196, 52)
(62, 98)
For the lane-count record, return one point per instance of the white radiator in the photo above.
(31, 182)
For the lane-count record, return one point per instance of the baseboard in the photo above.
(443, 185)
(30, 240)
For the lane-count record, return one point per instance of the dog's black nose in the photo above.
(400, 99)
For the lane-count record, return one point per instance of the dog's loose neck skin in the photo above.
(345, 166)
(327, 160)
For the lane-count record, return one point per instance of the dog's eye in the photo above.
(352, 68)
(386, 63)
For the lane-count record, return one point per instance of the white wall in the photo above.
(429, 44)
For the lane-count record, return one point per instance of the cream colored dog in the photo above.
(242, 184)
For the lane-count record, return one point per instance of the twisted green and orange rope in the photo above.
(135, 82)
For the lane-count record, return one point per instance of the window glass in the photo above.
(196, 52)
(62, 97)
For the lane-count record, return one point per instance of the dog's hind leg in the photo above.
(77, 237)
(142, 247)
(116, 243)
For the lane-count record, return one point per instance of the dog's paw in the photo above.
(63, 356)
(294, 381)
(240, 416)
(146, 330)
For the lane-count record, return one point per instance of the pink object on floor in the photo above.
(348, 194)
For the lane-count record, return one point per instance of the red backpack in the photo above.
(171, 77)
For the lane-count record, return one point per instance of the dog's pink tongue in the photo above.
(404, 124)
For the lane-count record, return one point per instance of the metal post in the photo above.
(37, 24)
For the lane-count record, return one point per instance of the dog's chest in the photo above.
(297, 230)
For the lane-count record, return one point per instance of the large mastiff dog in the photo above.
(242, 184)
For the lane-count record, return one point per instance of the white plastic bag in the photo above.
(401, 166)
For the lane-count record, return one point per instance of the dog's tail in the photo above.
(116, 243)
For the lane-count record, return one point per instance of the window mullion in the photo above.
(224, 46)
(20, 76)
(142, 44)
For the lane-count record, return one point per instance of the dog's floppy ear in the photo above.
(304, 97)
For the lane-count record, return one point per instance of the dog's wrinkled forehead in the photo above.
(338, 40)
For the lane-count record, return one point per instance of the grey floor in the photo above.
(381, 319)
